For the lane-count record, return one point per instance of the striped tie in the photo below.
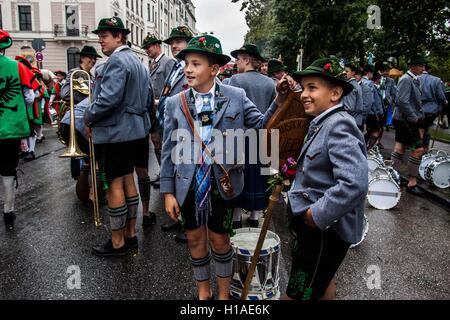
(203, 174)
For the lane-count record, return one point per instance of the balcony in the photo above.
(61, 31)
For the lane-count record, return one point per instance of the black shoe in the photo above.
(149, 220)
(414, 190)
(9, 219)
(237, 224)
(181, 237)
(252, 223)
(131, 243)
(30, 156)
(107, 250)
(171, 226)
(403, 183)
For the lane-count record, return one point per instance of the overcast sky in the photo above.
(224, 19)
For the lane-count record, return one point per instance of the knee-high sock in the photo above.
(413, 166)
(31, 143)
(132, 204)
(202, 271)
(237, 214)
(118, 217)
(224, 263)
(39, 134)
(144, 188)
(8, 184)
(396, 160)
(254, 215)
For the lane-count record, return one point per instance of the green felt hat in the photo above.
(250, 49)
(5, 40)
(149, 40)
(208, 45)
(329, 69)
(416, 59)
(275, 65)
(180, 32)
(114, 23)
(89, 51)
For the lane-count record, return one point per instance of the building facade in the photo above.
(66, 25)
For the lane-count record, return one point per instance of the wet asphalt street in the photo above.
(404, 256)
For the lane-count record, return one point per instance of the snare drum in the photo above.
(429, 158)
(265, 281)
(438, 172)
(373, 162)
(384, 193)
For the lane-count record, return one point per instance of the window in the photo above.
(1, 21)
(132, 33)
(25, 18)
(142, 8)
(132, 5)
(72, 21)
(73, 58)
(142, 35)
(128, 4)
(148, 12)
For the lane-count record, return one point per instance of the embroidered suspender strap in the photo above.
(225, 180)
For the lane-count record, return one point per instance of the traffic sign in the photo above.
(38, 44)
(39, 56)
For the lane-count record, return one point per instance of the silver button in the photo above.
(305, 195)
(225, 134)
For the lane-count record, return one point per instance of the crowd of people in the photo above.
(131, 105)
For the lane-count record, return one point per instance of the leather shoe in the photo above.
(9, 219)
(403, 183)
(149, 220)
(131, 243)
(107, 250)
(171, 226)
(181, 237)
(237, 224)
(253, 223)
(414, 190)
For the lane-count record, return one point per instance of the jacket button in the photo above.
(305, 195)
(178, 175)
(225, 134)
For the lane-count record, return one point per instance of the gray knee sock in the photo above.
(224, 263)
(8, 184)
(118, 217)
(132, 204)
(413, 166)
(396, 160)
(202, 271)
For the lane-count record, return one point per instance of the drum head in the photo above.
(383, 194)
(373, 163)
(440, 174)
(423, 165)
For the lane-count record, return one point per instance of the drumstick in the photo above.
(273, 199)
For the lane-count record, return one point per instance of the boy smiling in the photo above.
(328, 194)
(194, 189)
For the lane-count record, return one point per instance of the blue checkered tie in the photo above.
(203, 174)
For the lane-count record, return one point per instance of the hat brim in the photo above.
(235, 54)
(222, 59)
(346, 86)
(6, 44)
(124, 31)
(168, 40)
(90, 55)
(276, 69)
(416, 62)
(146, 45)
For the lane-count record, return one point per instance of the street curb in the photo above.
(431, 195)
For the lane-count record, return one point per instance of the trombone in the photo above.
(73, 150)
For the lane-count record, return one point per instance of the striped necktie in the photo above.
(203, 173)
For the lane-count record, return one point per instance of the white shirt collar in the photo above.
(316, 119)
(123, 47)
(199, 99)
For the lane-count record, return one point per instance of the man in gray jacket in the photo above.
(408, 122)
(353, 102)
(328, 194)
(120, 124)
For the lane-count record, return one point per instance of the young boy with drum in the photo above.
(328, 194)
(196, 184)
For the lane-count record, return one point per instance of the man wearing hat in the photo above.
(353, 102)
(408, 122)
(196, 191)
(120, 123)
(260, 89)
(327, 198)
(16, 92)
(276, 70)
(175, 83)
(388, 90)
(433, 99)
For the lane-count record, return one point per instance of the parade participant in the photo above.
(367, 96)
(119, 121)
(408, 118)
(56, 93)
(328, 194)
(276, 70)
(433, 98)
(353, 102)
(174, 84)
(49, 79)
(226, 75)
(261, 91)
(15, 93)
(375, 117)
(201, 190)
(60, 76)
(388, 90)
(370, 101)
(264, 68)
